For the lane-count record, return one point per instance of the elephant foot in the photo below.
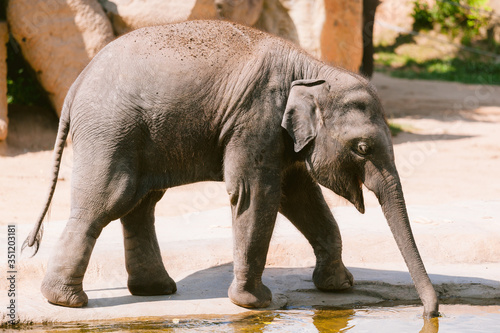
(70, 295)
(258, 296)
(332, 277)
(149, 286)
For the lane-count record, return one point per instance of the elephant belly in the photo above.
(181, 162)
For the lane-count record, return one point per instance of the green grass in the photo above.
(395, 128)
(22, 85)
(473, 71)
(417, 58)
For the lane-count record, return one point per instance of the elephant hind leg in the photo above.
(62, 284)
(147, 274)
(96, 200)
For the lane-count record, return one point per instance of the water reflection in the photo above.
(333, 321)
(253, 323)
(431, 325)
(459, 318)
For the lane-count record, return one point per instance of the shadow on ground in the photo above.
(371, 287)
(31, 129)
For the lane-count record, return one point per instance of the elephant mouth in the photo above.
(354, 194)
(359, 201)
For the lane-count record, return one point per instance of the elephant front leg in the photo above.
(254, 208)
(147, 274)
(304, 205)
(254, 194)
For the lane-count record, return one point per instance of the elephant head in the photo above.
(339, 129)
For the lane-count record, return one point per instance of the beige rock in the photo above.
(4, 121)
(275, 19)
(58, 38)
(329, 29)
(127, 15)
(308, 16)
(242, 11)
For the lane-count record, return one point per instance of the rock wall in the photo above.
(242, 11)
(58, 38)
(128, 15)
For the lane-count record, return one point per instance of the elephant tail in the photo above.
(35, 237)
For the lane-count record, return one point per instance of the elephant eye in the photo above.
(362, 148)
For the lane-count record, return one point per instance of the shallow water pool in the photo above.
(455, 318)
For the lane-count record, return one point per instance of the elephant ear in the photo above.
(300, 119)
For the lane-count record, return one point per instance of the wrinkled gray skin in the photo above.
(211, 100)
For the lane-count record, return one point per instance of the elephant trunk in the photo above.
(390, 194)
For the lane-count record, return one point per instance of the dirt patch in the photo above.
(450, 152)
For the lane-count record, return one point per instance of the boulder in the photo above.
(128, 15)
(246, 12)
(275, 19)
(4, 121)
(58, 38)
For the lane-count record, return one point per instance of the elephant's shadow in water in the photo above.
(213, 283)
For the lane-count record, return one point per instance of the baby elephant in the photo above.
(210, 100)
